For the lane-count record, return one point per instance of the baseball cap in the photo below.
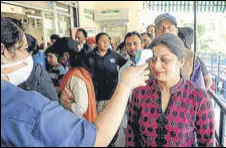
(165, 16)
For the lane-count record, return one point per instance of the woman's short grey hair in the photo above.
(174, 44)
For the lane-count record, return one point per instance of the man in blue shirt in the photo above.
(29, 119)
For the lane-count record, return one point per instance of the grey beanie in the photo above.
(165, 16)
(174, 43)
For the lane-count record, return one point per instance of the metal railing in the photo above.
(215, 62)
(219, 89)
(219, 138)
(216, 65)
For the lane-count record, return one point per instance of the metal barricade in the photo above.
(220, 138)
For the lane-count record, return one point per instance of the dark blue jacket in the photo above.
(85, 50)
(104, 72)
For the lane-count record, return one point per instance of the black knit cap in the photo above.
(174, 44)
(186, 34)
(62, 45)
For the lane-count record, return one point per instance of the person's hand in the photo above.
(135, 76)
(67, 106)
(83, 42)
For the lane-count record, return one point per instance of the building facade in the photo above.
(43, 18)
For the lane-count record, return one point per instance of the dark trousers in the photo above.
(112, 144)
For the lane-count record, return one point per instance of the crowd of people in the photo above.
(77, 92)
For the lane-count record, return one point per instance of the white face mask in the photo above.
(21, 75)
(79, 47)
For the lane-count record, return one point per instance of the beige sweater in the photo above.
(188, 65)
(75, 92)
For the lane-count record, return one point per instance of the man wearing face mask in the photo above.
(81, 37)
(30, 119)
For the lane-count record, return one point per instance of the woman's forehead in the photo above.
(161, 50)
(104, 37)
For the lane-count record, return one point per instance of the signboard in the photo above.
(116, 15)
(111, 14)
(88, 13)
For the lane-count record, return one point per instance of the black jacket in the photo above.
(104, 72)
(40, 81)
(85, 50)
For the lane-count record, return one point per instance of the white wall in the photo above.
(84, 21)
(133, 6)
